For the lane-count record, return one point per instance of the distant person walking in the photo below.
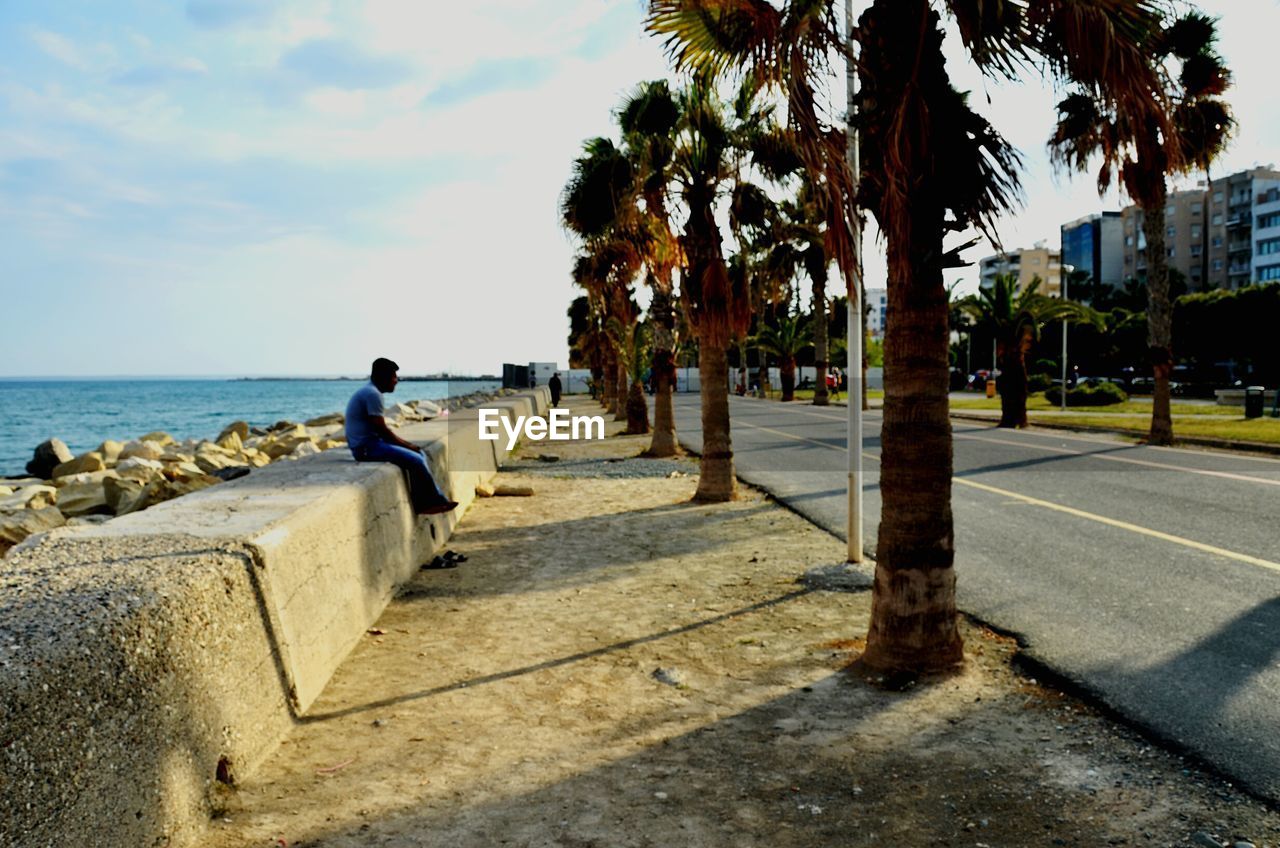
(371, 440)
(554, 385)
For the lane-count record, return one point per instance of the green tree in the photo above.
(786, 341)
(930, 166)
(1147, 146)
(1016, 317)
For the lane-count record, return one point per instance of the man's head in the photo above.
(383, 374)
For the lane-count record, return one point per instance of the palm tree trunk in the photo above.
(1013, 384)
(620, 392)
(637, 410)
(607, 384)
(716, 481)
(821, 364)
(664, 441)
(787, 373)
(1159, 315)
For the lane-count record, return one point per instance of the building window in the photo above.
(1266, 247)
(1170, 251)
(1270, 220)
(1217, 264)
(1196, 211)
(1217, 219)
(1170, 232)
(1169, 210)
(1195, 231)
(1195, 250)
(1217, 241)
(1266, 273)
(1128, 241)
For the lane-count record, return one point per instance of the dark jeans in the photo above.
(422, 486)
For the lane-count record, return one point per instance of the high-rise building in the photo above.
(1094, 246)
(1185, 238)
(1026, 264)
(877, 306)
(1242, 219)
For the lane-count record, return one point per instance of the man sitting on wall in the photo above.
(371, 440)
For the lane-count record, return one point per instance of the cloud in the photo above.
(492, 76)
(227, 14)
(336, 63)
(162, 73)
(59, 47)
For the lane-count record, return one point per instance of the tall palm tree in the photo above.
(786, 341)
(1015, 317)
(800, 236)
(633, 347)
(930, 166)
(648, 119)
(1198, 126)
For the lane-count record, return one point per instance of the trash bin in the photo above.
(991, 387)
(1253, 401)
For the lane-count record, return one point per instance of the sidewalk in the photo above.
(614, 666)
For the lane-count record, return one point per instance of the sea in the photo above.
(85, 412)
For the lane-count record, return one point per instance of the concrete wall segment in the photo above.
(138, 655)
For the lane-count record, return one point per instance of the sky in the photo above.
(289, 187)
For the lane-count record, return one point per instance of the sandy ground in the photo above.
(614, 666)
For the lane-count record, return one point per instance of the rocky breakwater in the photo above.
(118, 478)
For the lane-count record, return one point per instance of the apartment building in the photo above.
(877, 306)
(1185, 233)
(1242, 217)
(1026, 264)
(1094, 246)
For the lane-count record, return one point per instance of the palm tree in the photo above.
(930, 166)
(1145, 152)
(1015, 317)
(633, 346)
(786, 341)
(800, 237)
(648, 119)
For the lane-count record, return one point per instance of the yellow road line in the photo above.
(1123, 525)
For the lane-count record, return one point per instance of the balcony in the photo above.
(1237, 268)
(1238, 247)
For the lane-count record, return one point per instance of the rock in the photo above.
(233, 473)
(87, 498)
(124, 494)
(281, 426)
(110, 451)
(86, 477)
(669, 676)
(172, 455)
(484, 490)
(240, 428)
(37, 496)
(307, 448)
(5, 491)
(138, 468)
(160, 437)
(16, 526)
(142, 449)
(1243, 844)
(323, 420)
(184, 471)
(507, 491)
(91, 461)
(329, 444)
(429, 408)
(88, 520)
(1203, 839)
(48, 456)
(285, 442)
(211, 458)
(230, 441)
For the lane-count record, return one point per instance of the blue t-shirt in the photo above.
(366, 403)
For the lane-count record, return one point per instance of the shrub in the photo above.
(1039, 382)
(1103, 394)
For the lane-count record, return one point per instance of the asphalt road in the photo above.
(1150, 577)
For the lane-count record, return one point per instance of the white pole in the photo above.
(1064, 340)
(853, 316)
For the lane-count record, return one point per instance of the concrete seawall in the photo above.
(148, 663)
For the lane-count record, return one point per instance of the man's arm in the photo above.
(379, 425)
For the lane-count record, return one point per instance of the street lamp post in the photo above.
(854, 317)
(1066, 274)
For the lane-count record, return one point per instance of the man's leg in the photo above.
(423, 490)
